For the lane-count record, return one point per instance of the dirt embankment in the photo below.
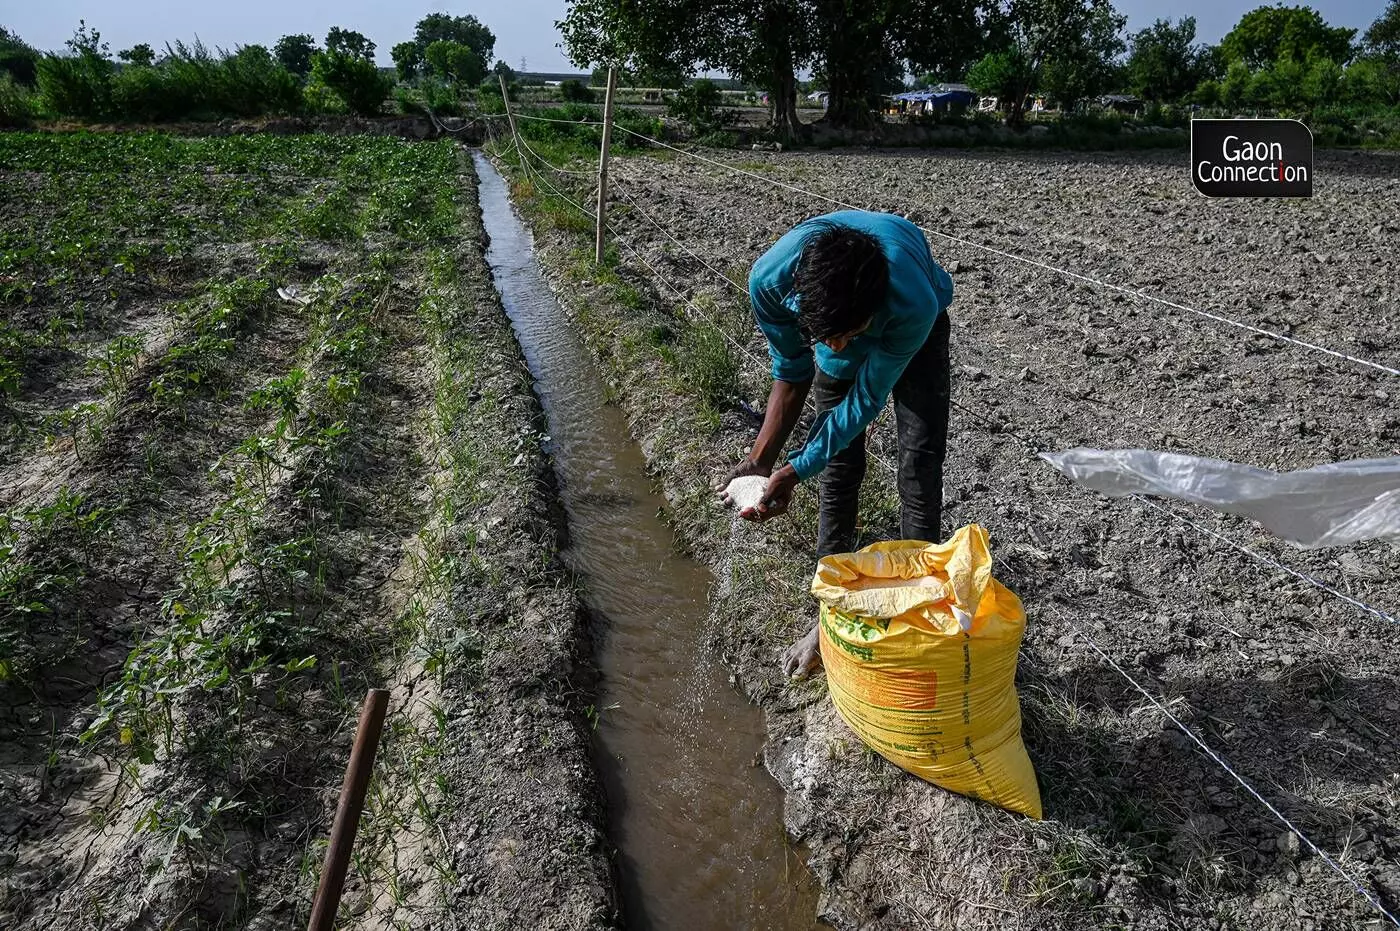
(229, 510)
(1295, 687)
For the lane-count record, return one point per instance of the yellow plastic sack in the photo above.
(920, 646)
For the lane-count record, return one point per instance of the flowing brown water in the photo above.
(697, 823)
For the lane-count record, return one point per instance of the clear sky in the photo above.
(523, 28)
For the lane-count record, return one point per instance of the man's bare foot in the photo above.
(804, 657)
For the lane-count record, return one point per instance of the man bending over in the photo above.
(861, 293)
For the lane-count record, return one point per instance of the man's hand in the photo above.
(777, 497)
(746, 466)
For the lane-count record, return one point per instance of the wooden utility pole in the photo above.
(603, 168)
(347, 813)
(505, 98)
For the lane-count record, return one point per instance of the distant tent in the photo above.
(938, 98)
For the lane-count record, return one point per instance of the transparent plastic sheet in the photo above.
(1328, 505)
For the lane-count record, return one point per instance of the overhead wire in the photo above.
(1218, 318)
(1180, 518)
(1309, 579)
(1336, 867)
(1157, 703)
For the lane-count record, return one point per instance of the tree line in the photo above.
(1284, 58)
(295, 76)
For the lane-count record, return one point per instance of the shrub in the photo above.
(699, 104)
(1355, 126)
(318, 98)
(254, 83)
(453, 61)
(17, 59)
(431, 95)
(16, 104)
(1169, 115)
(574, 92)
(441, 97)
(145, 95)
(191, 83)
(140, 54)
(294, 53)
(408, 60)
(80, 83)
(489, 99)
(356, 82)
(718, 139)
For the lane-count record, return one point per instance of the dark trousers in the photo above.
(921, 401)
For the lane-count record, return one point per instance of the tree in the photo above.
(458, 33)
(17, 58)
(1270, 33)
(862, 48)
(354, 80)
(1087, 66)
(1321, 82)
(1235, 89)
(966, 31)
(1383, 38)
(464, 30)
(764, 43)
(663, 37)
(574, 92)
(501, 69)
(1000, 74)
(1210, 63)
(455, 62)
(87, 43)
(852, 47)
(349, 43)
(599, 77)
(1369, 81)
(140, 55)
(1378, 79)
(79, 83)
(1074, 31)
(408, 59)
(1163, 63)
(294, 53)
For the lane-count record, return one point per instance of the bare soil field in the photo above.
(1293, 686)
(268, 441)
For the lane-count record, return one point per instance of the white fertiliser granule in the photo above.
(747, 491)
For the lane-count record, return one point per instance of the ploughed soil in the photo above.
(1293, 686)
(268, 441)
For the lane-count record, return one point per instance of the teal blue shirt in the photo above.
(919, 291)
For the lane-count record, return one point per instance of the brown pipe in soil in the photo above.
(347, 813)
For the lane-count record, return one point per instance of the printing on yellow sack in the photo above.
(920, 646)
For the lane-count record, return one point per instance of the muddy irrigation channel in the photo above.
(695, 817)
(1294, 685)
